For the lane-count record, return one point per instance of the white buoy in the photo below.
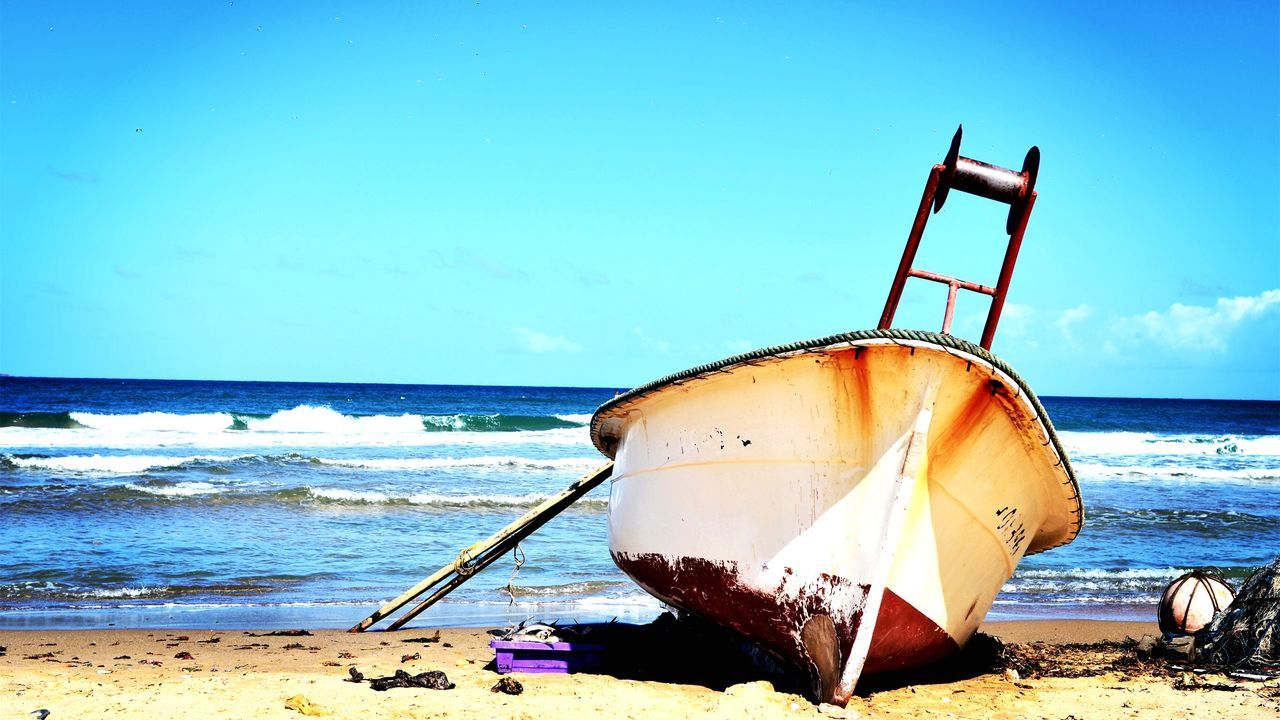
(1190, 602)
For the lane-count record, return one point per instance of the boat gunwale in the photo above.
(947, 343)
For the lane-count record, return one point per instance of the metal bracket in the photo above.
(1016, 189)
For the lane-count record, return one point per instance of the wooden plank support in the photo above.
(482, 554)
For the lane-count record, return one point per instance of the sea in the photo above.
(156, 503)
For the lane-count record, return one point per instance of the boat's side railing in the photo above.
(1016, 189)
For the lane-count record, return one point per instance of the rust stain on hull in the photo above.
(808, 622)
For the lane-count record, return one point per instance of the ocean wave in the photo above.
(56, 420)
(1074, 584)
(182, 489)
(1097, 584)
(1087, 471)
(1126, 574)
(46, 591)
(115, 465)
(500, 423)
(314, 419)
(487, 461)
(300, 419)
(155, 421)
(111, 464)
(1191, 522)
(301, 426)
(1039, 601)
(586, 587)
(90, 439)
(345, 496)
(1140, 443)
(163, 492)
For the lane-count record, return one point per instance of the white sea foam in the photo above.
(1097, 471)
(446, 422)
(1059, 598)
(374, 497)
(580, 419)
(123, 593)
(1080, 580)
(1137, 443)
(156, 421)
(350, 496)
(313, 419)
(305, 426)
(45, 439)
(487, 461)
(111, 464)
(182, 489)
(1102, 574)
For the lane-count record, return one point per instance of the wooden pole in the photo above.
(483, 553)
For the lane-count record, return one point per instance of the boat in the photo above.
(851, 504)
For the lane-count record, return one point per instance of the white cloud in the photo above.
(1071, 317)
(1198, 327)
(739, 346)
(541, 342)
(1014, 319)
(652, 343)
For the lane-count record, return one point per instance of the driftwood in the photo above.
(482, 554)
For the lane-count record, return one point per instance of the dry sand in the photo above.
(232, 674)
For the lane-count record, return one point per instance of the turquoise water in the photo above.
(167, 503)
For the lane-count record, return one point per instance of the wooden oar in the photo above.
(480, 555)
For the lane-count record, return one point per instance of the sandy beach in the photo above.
(238, 674)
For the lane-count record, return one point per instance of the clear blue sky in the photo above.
(597, 194)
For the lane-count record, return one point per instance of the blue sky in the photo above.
(597, 194)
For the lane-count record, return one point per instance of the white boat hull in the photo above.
(850, 507)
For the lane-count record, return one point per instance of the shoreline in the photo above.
(225, 673)
(340, 616)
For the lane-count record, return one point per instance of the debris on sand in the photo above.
(280, 633)
(303, 704)
(1247, 633)
(184, 655)
(508, 685)
(431, 680)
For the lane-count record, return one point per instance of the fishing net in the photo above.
(1247, 633)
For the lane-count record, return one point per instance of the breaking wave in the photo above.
(344, 496)
(156, 421)
(1097, 471)
(182, 489)
(1077, 584)
(300, 419)
(116, 465)
(301, 426)
(111, 464)
(586, 587)
(502, 462)
(69, 498)
(54, 420)
(1137, 443)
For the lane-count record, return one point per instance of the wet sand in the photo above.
(1069, 669)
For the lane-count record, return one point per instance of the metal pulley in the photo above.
(989, 181)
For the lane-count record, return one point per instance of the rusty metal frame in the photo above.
(1016, 189)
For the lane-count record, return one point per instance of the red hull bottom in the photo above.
(812, 628)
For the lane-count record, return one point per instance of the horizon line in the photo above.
(7, 376)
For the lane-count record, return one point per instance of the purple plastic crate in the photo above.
(539, 657)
